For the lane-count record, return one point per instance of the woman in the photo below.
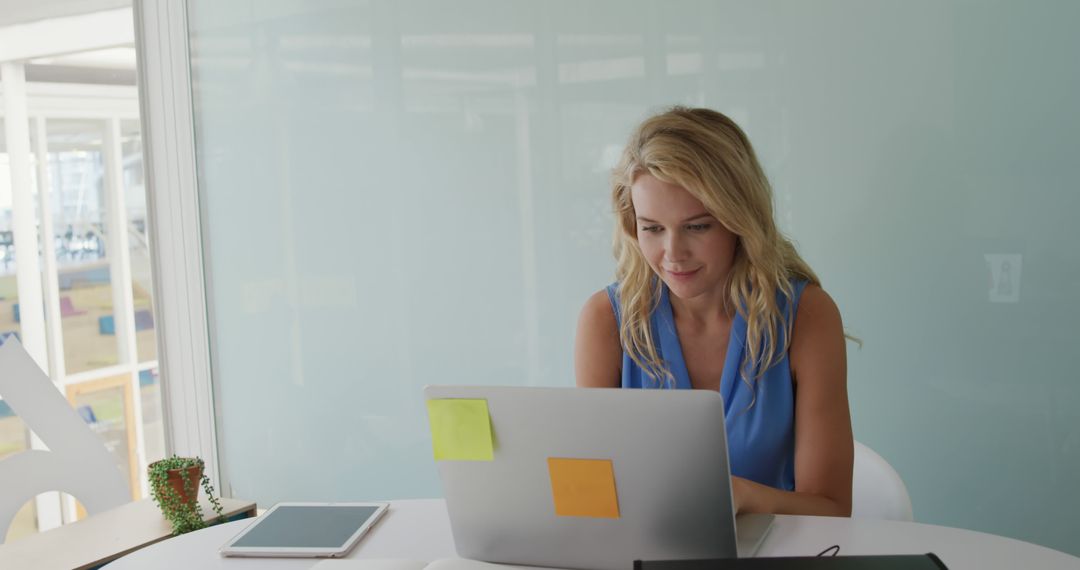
(710, 295)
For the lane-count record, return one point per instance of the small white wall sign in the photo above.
(1004, 270)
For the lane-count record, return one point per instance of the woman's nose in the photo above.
(675, 247)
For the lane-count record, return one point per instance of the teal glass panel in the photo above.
(408, 193)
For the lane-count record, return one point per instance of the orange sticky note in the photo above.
(583, 487)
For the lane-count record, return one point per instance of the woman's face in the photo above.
(686, 247)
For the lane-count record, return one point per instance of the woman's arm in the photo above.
(824, 447)
(597, 352)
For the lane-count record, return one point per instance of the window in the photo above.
(71, 121)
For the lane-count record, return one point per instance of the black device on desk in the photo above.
(885, 562)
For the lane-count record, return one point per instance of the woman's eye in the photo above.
(652, 229)
(698, 227)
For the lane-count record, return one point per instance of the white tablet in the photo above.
(309, 530)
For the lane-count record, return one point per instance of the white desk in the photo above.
(106, 536)
(420, 530)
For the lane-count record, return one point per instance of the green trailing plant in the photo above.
(174, 483)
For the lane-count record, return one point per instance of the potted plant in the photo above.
(174, 483)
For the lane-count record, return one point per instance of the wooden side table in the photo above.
(102, 538)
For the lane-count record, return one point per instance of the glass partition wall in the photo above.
(408, 193)
(81, 113)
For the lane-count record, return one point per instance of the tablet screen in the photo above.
(314, 526)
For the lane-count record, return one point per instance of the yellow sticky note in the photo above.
(583, 488)
(460, 430)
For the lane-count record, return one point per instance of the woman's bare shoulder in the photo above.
(817, 336)
(816, 305)
(597, 351)
(598, 308)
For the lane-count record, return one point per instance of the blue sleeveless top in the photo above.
(761, 437)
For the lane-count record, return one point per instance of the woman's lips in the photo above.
(682, 274)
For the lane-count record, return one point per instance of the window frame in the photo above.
(174, 213)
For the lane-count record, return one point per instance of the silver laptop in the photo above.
(669, 459)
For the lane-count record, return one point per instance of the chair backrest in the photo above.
(877, 492)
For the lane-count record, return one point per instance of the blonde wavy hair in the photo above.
(707, 154)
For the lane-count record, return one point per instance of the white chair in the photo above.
(877, 492)
(77, 461)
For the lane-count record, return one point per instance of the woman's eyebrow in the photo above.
(690, 219)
